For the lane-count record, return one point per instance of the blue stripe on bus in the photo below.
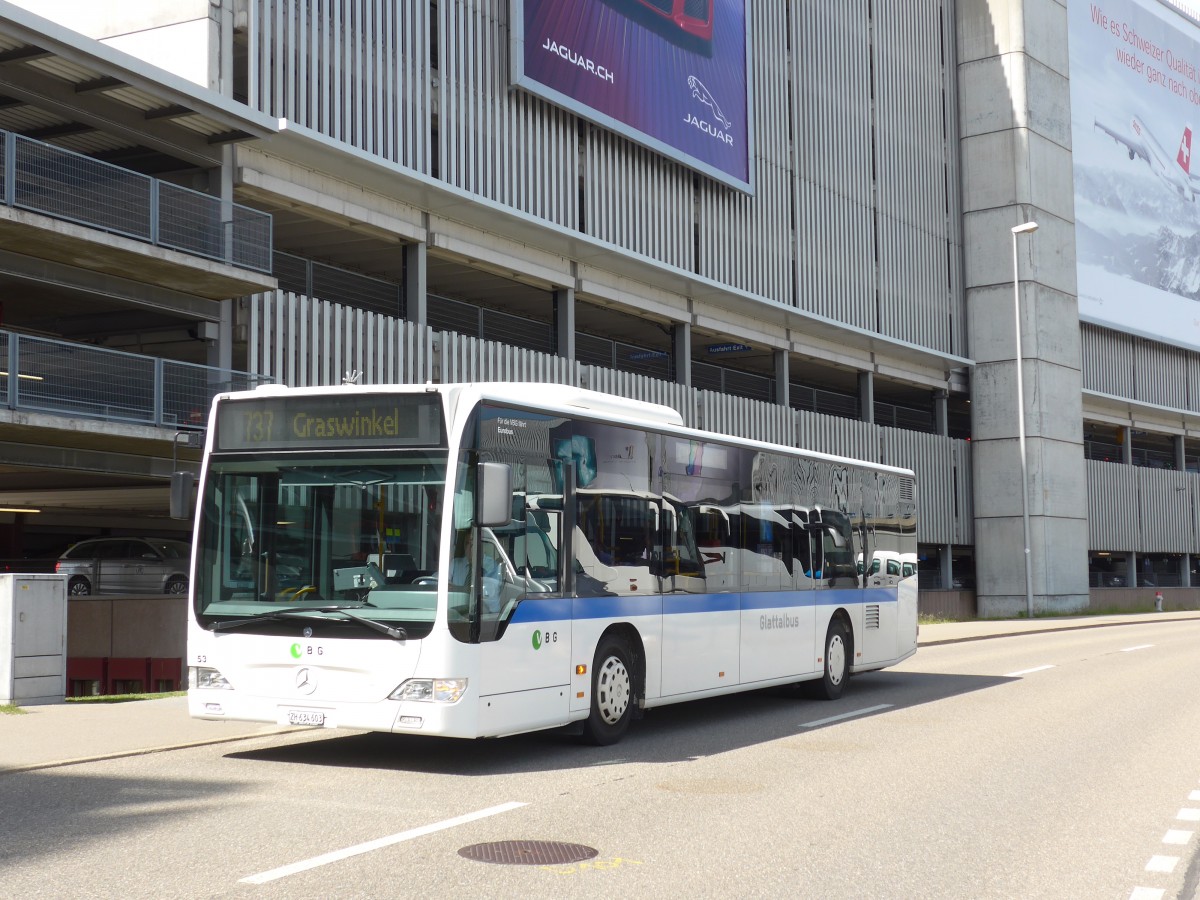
(557, 609)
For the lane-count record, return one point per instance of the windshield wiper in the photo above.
(300, 612)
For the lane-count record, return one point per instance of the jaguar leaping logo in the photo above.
(701, 93)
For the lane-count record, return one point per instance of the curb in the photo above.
(1049, 629)
(143, 751)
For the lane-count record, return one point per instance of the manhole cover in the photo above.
(528, 853)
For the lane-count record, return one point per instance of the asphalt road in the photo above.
(1060, 765)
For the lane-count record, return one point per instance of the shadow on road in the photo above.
(47, 810)
(669, 734)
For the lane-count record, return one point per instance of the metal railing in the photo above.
(43, 375)
(66, 185)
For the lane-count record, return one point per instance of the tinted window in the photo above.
(172, 549)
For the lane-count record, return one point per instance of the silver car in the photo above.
(126, 566)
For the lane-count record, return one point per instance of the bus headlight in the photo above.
(203, 678)
(431, 690)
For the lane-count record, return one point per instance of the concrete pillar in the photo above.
(681, 352)
(947, 566)
(416, 288)
(219, 353)
(1131, 567)
(941, 413)
(1185, 570)
(783, 378)
(1180, 453)
(1127, 445)
(1015, 147)
(866, 396)
(564, 322)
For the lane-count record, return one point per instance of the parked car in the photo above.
(126, 566)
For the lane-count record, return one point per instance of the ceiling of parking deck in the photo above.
(83, 490)
(62, 89)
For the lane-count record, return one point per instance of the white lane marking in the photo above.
(849, 715)
(1187, 814)
(1028, 671)
(1138, 647)
(1164, 864)
(1194, 795)
(1144, 893)
(1177, 837)
(326, 858)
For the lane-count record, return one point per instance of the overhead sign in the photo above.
(728, 348)
(1135, 92)
(670, 74)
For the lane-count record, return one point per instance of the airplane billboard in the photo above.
(1135, 100)
(672, 75)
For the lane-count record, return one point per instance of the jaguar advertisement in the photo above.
(670, 74)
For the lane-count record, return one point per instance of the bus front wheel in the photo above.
(612, 693)
(837, 663)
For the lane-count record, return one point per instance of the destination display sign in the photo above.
(328, 421)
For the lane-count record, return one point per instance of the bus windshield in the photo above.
(310, 532)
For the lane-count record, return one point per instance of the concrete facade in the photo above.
(1014, 105)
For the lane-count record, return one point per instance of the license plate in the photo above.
(305, 717)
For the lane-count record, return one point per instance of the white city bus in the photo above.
(479, 560)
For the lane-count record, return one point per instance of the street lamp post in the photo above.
(1024, 228)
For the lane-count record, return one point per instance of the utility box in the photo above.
(33, 639)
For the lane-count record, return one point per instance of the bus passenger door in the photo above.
(524, 631)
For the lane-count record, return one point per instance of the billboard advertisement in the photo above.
(670, 74)
(1135, 94)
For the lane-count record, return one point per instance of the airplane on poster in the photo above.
(1140, 142)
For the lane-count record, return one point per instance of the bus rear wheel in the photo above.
(837, 664)
(612, 693)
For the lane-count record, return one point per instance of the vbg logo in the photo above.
(539, 639)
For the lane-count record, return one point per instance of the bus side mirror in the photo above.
(181, 495)
(495, 493)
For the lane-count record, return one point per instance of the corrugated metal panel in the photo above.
(954, 203)
(1164, 504)
(964, 486)
(355, 70)
(756, 419)
(1113, 507)
(465, 358)
(943, 517)
(914, 158)
(501, 144)
(834, 190)
(1193, 381)
(1107, 361)
(300, 341)
(833, 434)
(746, 242)
(1161, 373)
(1124, 365)
(638, 200)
